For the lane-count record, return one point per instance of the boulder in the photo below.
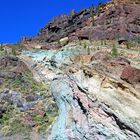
(73, 37)
(119, 61)
(131, 75)
(104, 57)
(50, 46)
(99, 56)
(32, 98)
(1, 81)
(8, 61)
(26, 119)
(64, 41)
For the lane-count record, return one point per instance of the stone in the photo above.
(73, 37)
(1, 81)
(8, 61)
(131, 75)
(64, 41)
(100, 55)
(11, 61)
(119, 61)
(26, 119)
(32, 98)
(53, 46)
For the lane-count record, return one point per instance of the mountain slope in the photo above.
(112, 20)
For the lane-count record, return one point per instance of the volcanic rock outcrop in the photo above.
(61, 26)
(131, 75)
(107, 21)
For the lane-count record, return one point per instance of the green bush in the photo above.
(102, 42)
(129, 45)
(85, 45)
(5, 52)
(114, 51)
(92, 13)
(14, 51)
(139, 40)
(88, 50)
(99, 8)
(1, 47)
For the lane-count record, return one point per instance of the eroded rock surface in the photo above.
(93, 102)
(83, 115)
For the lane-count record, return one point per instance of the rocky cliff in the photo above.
(112, 20)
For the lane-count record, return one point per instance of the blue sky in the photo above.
(26, 17)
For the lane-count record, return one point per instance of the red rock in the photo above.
(131, 75)
(27, 120)
(116, 21)
(73, 37)
(99, 56)
(38, 112)
(119, 61)
(50, 46)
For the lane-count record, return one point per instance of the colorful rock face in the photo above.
(92, 103)
(89, 93)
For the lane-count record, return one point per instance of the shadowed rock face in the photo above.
(113, 21)
(61, 26)
(120, 21)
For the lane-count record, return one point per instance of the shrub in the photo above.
(1, 47)
(93, 20)
(85, 45)
(88, 50)
(14, 51)
(73, 12)
(129, 45)
(80, 43)
(139, 40)
(5, 52)
(114, 51)
(99, 8)
(102, 42)
(105, 43)
(92, 13)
